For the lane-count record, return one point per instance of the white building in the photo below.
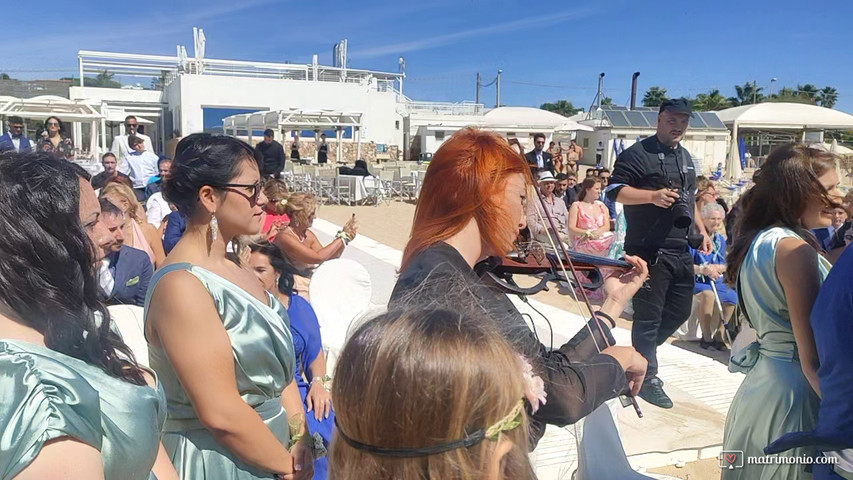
(198, 92)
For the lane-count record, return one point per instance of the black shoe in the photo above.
(719, 345)
(652, 392)
(705, 345)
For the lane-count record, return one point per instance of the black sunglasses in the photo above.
(254, 189)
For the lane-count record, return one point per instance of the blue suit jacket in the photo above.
(6, 143)
(133, 272)
(174, 230)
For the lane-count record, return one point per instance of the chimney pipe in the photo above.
(600, 89)
(634, 90)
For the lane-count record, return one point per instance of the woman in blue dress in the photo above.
(710, 268)
(74, 404)
(778, 267)
(276, 274)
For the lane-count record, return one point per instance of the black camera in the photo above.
(681, 214)
(695, 240)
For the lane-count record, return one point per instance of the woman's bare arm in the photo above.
(199, 349)
(155, 240)
(300, 253)
(797, 269)
(65, 458)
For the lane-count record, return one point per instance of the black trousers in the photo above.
(663, 303)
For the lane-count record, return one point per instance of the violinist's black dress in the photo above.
(575, 387)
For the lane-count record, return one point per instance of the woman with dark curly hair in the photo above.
(55, 141)
(75, 404)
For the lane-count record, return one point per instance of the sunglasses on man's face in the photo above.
(16, 127)
(52, 124)
(131, 124)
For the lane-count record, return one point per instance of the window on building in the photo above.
(439, 134)
(586, 142)
(397, 124)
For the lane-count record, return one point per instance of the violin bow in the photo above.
(543, 214)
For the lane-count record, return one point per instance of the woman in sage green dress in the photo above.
(778, 268)
(73, 402)
(216, 337)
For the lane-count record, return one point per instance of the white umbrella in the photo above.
(573, 126)
(733, 168)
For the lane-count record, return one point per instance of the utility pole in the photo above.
(754, 92)
(498, 103)
(478, 88)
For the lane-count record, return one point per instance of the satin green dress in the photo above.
(263, 361)
(775, 398)
(45, 395)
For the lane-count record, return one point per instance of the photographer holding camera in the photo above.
(656, 182)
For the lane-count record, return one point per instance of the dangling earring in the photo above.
(214, 227)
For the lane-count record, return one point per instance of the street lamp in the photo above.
(772, 81)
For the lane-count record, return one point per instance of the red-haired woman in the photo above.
(472, 205)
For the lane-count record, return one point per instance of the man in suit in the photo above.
(538, 159)
(121, 148)
(125, 271)
(15, 139)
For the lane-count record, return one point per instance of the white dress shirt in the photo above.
(121, 148)
(140, 167)
(16, 142)
(158, 208)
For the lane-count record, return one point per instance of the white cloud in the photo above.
(451, 38)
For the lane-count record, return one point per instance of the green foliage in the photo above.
(607, 102)
(102, 80)
(711, 101)
(747, 94)
(562, 107)
(655, 96)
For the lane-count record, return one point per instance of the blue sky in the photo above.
(548, 50)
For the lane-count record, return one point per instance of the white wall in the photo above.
(115, 95)
(379, 109)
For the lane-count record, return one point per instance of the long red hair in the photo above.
(466, 179)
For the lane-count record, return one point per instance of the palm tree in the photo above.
(789, 95)
(827, 97)
(562, 107)
(808, 91)
(747, 94)
(713, 100)
(607, 102)
(655, 96)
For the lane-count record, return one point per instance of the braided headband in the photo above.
(511, 421)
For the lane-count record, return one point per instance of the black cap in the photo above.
(268, 133)
(677, 105)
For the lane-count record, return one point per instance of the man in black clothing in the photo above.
(538, 159)
(649, 178)
(322, 150)
(273, 155)
(110, 170)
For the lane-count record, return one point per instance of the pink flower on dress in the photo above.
(534, 386)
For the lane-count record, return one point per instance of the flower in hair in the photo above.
(283, 202)
(534, 386)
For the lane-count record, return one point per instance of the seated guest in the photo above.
(175, 226)
(14, 139)
(276, 207)
(276, 275)
(299, 244)
(110, 171)
(360, 169)
(454, 389)
(125, 272)
(157, 207)
(589, 221)
(75, 404)
(155, 184)
(139, 165)
(537, 220)
(138, 233)
(711, 268)
(564, 190)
